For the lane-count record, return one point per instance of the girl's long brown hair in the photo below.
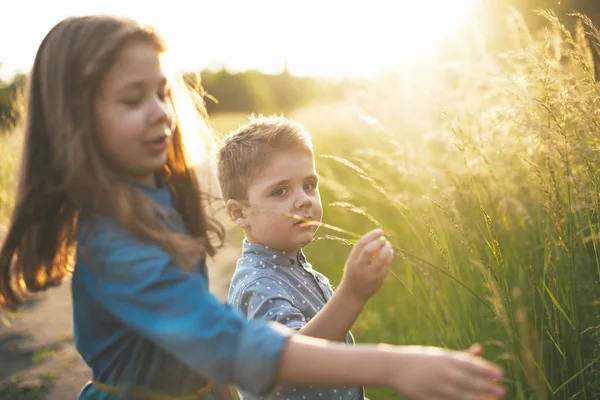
(63, 176)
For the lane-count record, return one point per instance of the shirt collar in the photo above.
(273, 255)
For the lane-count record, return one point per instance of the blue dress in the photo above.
(142, 321)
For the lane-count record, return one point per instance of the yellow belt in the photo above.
(145, 395)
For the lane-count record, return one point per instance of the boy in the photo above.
(267, 174)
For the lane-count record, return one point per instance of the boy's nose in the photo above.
(303, 201)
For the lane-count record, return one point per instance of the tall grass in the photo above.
(485, 179)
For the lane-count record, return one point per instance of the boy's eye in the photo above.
(309, 187)
(279, 192)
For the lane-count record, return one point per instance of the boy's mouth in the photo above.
(305, 222)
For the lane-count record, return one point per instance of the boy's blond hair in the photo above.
(249, 149)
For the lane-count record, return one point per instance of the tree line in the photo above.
(224, 91)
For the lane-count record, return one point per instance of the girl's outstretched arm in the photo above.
(417, 372)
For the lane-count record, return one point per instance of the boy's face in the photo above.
(288, 185)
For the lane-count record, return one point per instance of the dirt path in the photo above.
(37, 356)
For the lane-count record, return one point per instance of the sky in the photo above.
(314, 37)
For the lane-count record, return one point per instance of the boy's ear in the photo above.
(237, 214)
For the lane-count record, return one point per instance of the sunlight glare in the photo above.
(361, 41)
(311, 37)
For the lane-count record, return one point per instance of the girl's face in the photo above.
(133, 114)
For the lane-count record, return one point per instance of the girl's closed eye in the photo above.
(133, 96)
(133, 101)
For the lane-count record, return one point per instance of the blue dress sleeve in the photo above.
(141, 286)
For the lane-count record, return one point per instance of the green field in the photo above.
(484, 175)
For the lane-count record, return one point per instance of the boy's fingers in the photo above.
(370, 251)
(384, 256)
(363, 241)
(390, 252)
(367, 239)
(389, 260)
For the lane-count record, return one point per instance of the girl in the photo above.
(106, 182)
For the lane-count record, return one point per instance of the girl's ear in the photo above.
(237, 214)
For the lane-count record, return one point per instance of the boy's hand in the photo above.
(367, 266)
(435, 373)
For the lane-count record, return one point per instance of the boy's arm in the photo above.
(364, 272)
(263, 298)
(335, 319)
